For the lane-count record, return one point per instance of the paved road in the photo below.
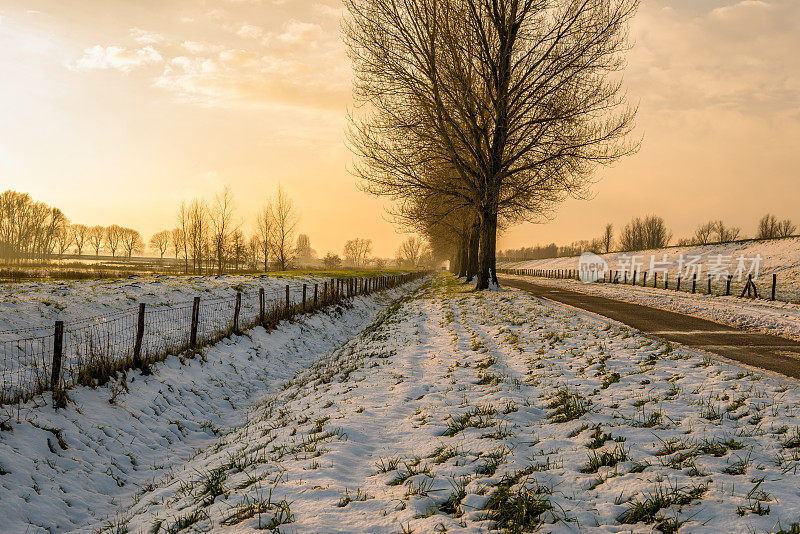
(759, 350)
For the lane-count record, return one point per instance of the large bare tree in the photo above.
(114, 238)
(131, 241)
(176, 239)
(80, 232)
(284, 226)
(357, 251)
(512, 95)
(63, 238)
(410, 252)
(221, 216)
(96, 237)
(160, 242)
(264, 233)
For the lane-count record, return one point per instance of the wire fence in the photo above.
(92, 351)
(767, 287)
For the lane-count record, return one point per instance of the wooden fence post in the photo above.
(694, 282)
(728, 285)
(666, 280)
(774, 283)
(655, 279)
(678, 288)
(304, 297)
(58, 348)
(195, 323)
(709, 284)
(325, 292)
(137, 345)
(236, 310)
(315, 295)
(261, 306)
(288, 312)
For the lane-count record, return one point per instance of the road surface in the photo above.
(759, 350)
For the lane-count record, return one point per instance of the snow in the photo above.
(101, 315)
(446, 409)
(67, 469)
(777, 318)
(37, 305)
(778, 256)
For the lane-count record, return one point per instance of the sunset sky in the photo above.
(115, 111)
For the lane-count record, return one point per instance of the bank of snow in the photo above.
(777, 256)
(462, 412)
(71, 468)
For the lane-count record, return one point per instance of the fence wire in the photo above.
(94, 350)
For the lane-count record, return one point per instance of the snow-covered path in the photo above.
(66, 469)
(462, 412)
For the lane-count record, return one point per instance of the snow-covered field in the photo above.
(454, 412)
(100, 319)
(71, 468)
(777, 256)
(35, 305)
(777, 318)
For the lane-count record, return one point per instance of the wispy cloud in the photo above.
(116, 57)
(146, 36)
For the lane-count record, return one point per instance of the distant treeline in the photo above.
(650, 232)
(31, 230)
(209, 237)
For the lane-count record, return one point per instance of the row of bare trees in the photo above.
(769, 227)
(29, 229)
(210, 238)
(650, 232)
(476, 114)
(34, 230)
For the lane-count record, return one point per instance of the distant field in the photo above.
(106, 268)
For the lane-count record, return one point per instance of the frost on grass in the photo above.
(464, 412)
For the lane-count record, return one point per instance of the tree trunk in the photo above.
(473, 249)
(463, 252)
(488, 244)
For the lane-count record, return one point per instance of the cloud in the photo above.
(743, 8)
(297, 31)
(733, 57)
(244, 77)
(330, 11)
(201, 47)
(248, 31)
(117, 57)
(146, 36)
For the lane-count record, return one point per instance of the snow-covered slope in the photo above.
(778, 256)
(65, 469)
(462, 411)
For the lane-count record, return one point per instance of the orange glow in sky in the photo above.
(116, 111)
